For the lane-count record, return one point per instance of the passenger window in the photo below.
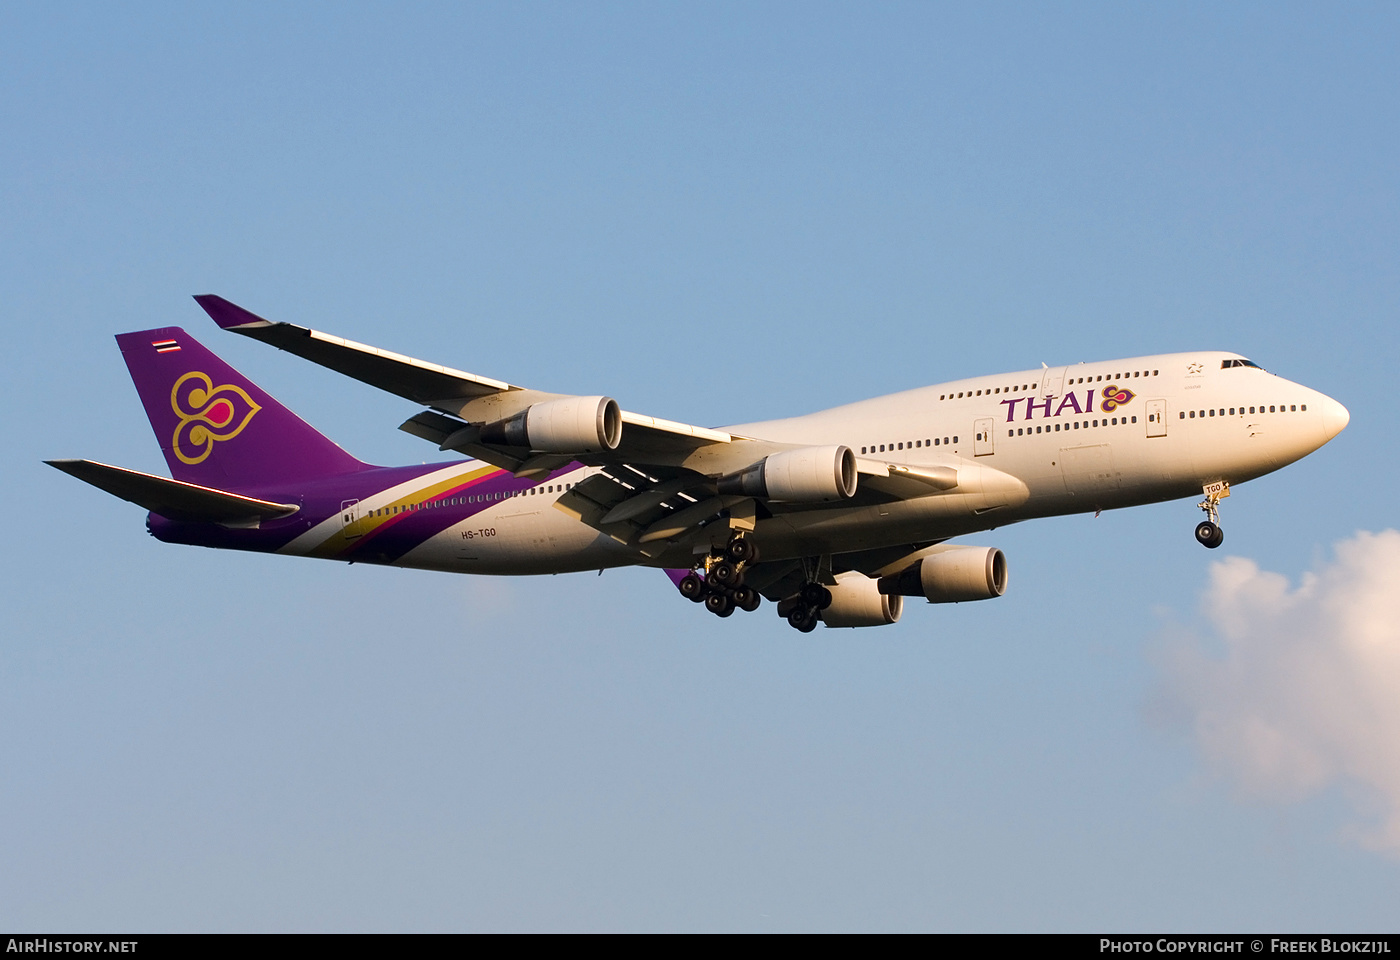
(955, 439)
(1294, 409)
(1134, 419)
(1271, 408)
(1305, 406)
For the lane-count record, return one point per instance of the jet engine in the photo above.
(807, 475)
(569, 425)
(951, 575)
(856, 601)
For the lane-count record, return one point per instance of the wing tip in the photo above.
(228, 315)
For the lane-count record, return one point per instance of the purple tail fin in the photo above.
(216, 427)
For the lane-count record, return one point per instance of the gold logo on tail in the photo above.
(207, 413)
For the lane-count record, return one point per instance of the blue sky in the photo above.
(715, 213)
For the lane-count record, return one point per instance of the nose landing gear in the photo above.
(1208, 532)
(717, 580)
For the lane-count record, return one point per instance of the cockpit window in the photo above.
(1227, 364)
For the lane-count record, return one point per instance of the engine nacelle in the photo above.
(568, 425)
(856, 601)
(952, 575)
(808, 475)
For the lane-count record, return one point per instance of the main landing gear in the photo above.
(717, 581)
(804, 610)
(1208, 532)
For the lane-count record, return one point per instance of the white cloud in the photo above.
(1307, 691)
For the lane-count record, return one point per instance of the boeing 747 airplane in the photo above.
(835, 516)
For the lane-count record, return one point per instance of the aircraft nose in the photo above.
(1335, 417)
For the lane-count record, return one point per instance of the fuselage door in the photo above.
(1156, 418)
(1052, 382)
(982, 437)
(350, 519)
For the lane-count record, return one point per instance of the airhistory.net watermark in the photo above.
(45, 945)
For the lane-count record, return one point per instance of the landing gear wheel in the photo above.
(692, 588)
(747, 599)
(720, 604)
(815, 595)
(727, 574)
(803, 618)
(741, 550)
(1209, 534)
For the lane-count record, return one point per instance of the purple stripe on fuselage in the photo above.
(401, 532)
(406, 531)
(321, 501)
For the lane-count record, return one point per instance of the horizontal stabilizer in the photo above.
(175, 499)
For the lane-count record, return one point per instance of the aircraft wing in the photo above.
(659, 482)
(467, 396)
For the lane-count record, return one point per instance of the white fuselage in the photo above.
(1027, 444)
